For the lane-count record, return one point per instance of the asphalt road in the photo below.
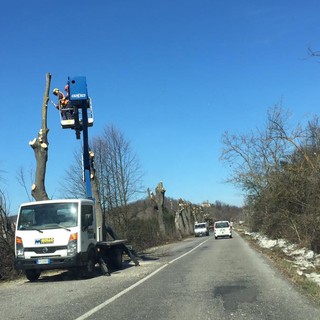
(199, 278)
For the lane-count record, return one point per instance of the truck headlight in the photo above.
(72, 244)
(19, 248)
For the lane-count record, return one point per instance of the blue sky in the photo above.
(172, 75)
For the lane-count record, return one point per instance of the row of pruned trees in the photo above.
(177, 216)
(278, 168)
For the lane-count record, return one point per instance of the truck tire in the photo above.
(33, 274)
(89, 268)
(86, 271)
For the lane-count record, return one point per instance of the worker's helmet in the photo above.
(55, 91)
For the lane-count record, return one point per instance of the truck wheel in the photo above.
(32, 274)
(88, 270)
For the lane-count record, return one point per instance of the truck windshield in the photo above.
(48, 216)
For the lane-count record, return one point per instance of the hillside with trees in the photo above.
(145, 217)
(278, 168)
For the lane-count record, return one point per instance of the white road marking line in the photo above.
(118, 295)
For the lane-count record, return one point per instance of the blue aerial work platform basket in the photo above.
(78, 93)
(78, 99)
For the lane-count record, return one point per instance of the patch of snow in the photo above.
(309, 255)
(317, 260)
(298, 252)
(302, 262)
(281, 243)
(299, 272)
(305, 259)
(265, 243)
(315, 277)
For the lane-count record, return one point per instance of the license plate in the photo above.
(43, 261)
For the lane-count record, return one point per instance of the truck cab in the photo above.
(56, 234)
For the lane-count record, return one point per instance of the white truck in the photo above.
(63, 234)
(201, 229)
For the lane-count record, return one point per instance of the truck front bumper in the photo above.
(47, 263)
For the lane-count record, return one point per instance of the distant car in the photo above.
(222, 229)
(201, 229)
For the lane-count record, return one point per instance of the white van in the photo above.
(222, 229)
(201, 229)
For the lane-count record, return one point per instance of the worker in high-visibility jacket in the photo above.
(62, 100)
(63, 103)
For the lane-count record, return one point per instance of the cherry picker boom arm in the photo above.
(80, 101)
(82, 113)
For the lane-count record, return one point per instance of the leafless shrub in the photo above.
(6, 240)
(279, 169)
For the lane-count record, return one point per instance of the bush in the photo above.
(7, 270)
(144, 233)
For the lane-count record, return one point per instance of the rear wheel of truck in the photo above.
(32, 274)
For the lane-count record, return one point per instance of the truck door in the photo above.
(88, 230)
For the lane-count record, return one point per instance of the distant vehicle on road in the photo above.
(201, 229)
(222, 229)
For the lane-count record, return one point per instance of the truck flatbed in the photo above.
(111, 243)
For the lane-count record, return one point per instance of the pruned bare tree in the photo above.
(158, 199)
(40, 148)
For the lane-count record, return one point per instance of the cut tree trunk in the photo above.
(40, 148)
(96, 196)
(158, 198)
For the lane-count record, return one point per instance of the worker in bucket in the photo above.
(63, 103)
